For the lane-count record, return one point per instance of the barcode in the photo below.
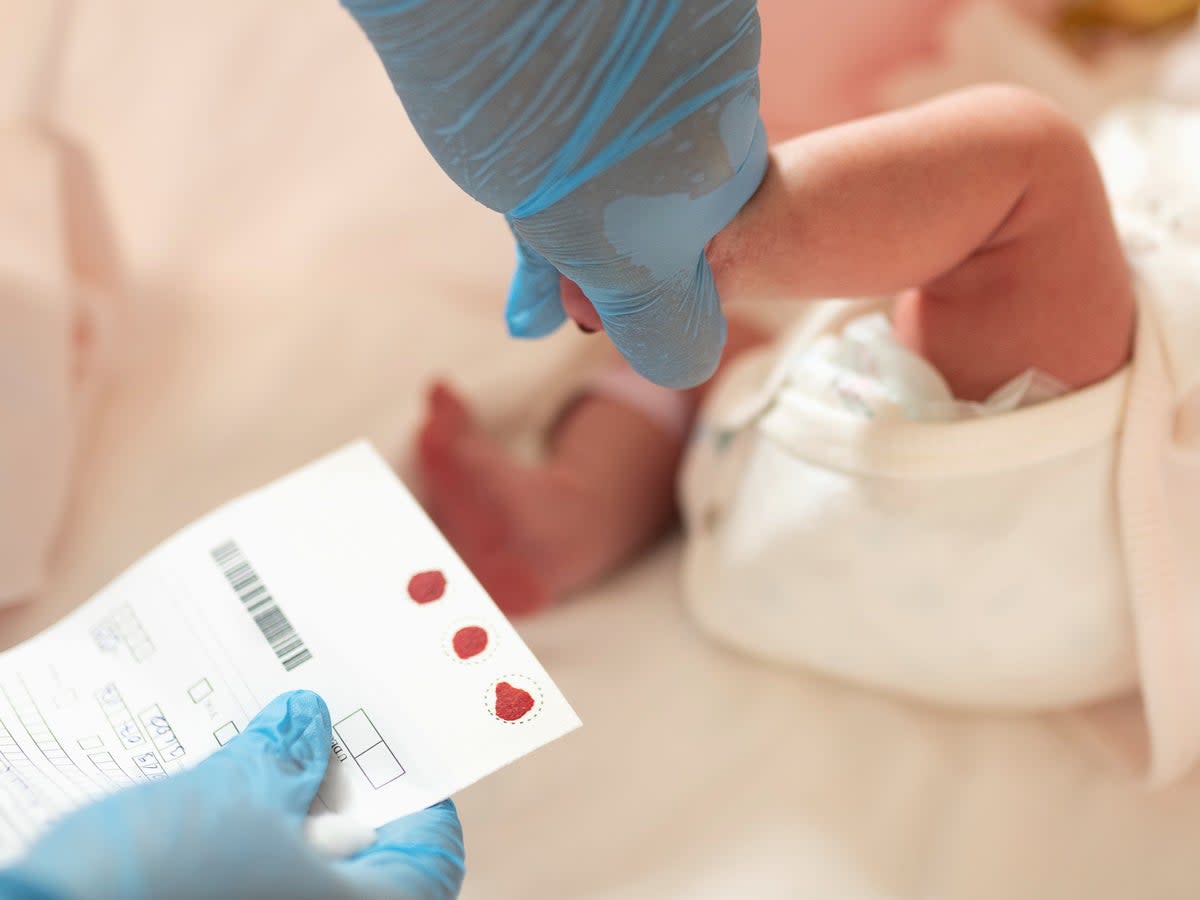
(257, 600)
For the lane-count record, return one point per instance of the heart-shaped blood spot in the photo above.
(425, 587)
(512, 702)
(470, 641)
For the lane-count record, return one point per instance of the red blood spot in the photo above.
(425, 587)
(512, 702)
(470, 641)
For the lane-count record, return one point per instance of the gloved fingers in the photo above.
(280, 758)
(674, 332)
(420, 855)
(534, 304)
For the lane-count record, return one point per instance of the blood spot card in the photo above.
(330, 579)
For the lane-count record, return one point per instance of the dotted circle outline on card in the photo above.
(539, 700)
(486, 653)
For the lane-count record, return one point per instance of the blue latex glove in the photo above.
(232, 827)
(617, 137)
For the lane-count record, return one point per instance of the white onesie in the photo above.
(1041, 557)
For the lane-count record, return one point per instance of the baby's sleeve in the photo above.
(1159, 491)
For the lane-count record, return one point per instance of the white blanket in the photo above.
(294, 269)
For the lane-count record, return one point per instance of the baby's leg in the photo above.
(532, 534)
(984, 207)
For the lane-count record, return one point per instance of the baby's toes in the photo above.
(448, 412)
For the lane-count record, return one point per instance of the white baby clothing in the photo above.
(864, 369)
(846, 514)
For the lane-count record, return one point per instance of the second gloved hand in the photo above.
(232, 827)
(617, 137)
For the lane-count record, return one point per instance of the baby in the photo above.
(973, 489)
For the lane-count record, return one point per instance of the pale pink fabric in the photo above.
(58, 271)
(38, 397)
(297, 269)
(1157, 485)
(1180, 77)
(824, 62)
(204, 169)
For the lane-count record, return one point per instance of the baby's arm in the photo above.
(987, 200)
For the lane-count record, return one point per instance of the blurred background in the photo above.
(223, 252)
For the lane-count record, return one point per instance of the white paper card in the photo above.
(330, 579)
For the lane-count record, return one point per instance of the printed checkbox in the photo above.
(225, 733)
(380, 765)
(200, 690)
(95, 742)
(357, 733)
(142, 651)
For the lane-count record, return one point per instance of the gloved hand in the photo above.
(616, 136)
(232, 827)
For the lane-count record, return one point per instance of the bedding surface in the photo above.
(291, 270)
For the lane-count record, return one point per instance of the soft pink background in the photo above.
(294, 270)
(824, 60)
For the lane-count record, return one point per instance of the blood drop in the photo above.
(425, 587)
(470, 641)
(512, 702)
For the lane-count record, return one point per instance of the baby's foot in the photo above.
(525, 531)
